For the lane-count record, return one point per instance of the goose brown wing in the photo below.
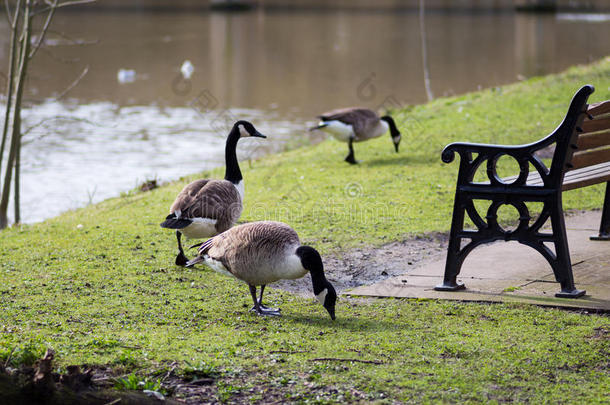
(243, 248)
(362, 120)
(213, 199)
(185, 198)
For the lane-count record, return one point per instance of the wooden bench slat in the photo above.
(599, 108)
(591, 174)
(584, 178)
(591, 157)
(593, 140)
(586, 172)
(595, 125)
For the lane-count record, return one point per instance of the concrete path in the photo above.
(511, 272)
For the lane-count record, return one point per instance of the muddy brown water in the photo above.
(137, 116)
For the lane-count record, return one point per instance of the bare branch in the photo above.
(43, 32)
(73, 84)
(11, 21)
(64, 4)
(58, 58)
(347, 360)
(56, 118)
(73, 42)
(75, 2)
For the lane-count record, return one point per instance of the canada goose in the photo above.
(207, 207)
(356, 125)
(259, 253)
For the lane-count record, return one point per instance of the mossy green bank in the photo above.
(99, 286)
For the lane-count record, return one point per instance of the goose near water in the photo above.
(207, 207)
(356, 125)
(260, 253)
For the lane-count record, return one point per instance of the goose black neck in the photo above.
(318, 281)
(311, 261)
(393, 130)
(232, 172)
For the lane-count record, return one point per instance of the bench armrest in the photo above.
(522, 154)
(487, 150)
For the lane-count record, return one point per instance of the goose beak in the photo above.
(331, 312)
(259, 135)
(396, 140)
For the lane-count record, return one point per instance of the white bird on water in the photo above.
(187, 69)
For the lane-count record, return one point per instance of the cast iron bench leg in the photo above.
(562, 267)
(604, 227)
(454, 258)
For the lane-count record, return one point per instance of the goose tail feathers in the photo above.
(319, 126)
(203, 249)
(175, 222)
(194, 261)
(205, 246)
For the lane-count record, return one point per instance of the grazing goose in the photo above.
(356, 125)
(259, 253)
(205, 208)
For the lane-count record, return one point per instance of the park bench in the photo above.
(581, 158)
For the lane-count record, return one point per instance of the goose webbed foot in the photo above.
(258, 307)
(351, 160)
(264, 311)
(181, 259)
(266, 308)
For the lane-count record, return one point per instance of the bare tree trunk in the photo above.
(424, 49)
(17, 201)
(23, 50)
(10, 78)
(26, 34)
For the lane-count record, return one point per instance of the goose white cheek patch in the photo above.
(322, 296)
(242, 131)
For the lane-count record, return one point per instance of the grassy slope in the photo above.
(107, 293)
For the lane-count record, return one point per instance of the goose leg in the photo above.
(181, 259)
(350, 158)
(258, 308)
(260, 302)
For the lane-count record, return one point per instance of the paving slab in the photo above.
(512, 272)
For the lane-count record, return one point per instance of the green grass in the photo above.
(99, 287)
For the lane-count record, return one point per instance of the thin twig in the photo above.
(8, 13)
(130, 347)
(65, 4)
(174, 365)
(10, 356)
(74, 83)
(43, 32)
(65, 61)
(72, 41)
(288, 351)
(11, 21)
(57, 117)
(347, 360)
(116, 401)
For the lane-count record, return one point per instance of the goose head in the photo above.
(246, 129)
(394, 132)
(324, 291)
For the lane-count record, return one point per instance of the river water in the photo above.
(136, 116)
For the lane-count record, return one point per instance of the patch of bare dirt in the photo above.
(370, 265)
